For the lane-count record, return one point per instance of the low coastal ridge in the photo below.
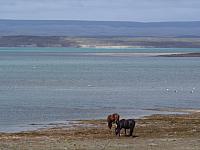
(99, 41)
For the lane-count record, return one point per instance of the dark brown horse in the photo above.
(126, 124)
(113, 118)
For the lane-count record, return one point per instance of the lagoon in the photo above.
(46, 85)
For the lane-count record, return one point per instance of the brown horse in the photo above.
(112, 118)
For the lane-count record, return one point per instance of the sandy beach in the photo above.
(170, 132)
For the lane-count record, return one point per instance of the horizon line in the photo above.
(99, 20)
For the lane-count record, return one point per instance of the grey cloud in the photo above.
(132, 10)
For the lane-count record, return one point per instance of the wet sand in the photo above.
(170, 132)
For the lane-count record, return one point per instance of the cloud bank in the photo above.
(123, 10)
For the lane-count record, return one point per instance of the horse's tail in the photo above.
(133, 124)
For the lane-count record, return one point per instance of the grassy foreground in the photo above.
(170, 132)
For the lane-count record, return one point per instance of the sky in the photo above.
(106, 10)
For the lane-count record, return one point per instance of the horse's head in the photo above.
(112, 118)
(116, 117)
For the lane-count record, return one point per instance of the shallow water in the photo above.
(37, 88)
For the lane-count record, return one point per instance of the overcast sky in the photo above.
(122, 10)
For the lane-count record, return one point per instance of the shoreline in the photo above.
(34, 127)
(102, 53)
(159, 131)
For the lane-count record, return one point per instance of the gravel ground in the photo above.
(156, 132)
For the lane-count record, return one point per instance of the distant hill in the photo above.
(98, 28)
(41, 33)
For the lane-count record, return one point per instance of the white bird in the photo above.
(34, 67)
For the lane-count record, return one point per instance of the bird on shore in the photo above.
(192, 91)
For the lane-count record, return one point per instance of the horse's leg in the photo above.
(131, 131)
(125, 131)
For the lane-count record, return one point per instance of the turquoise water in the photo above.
(41, 89)
(96, 50)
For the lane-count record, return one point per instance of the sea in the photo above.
(41, 87)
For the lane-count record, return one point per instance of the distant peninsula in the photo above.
(99, 34)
